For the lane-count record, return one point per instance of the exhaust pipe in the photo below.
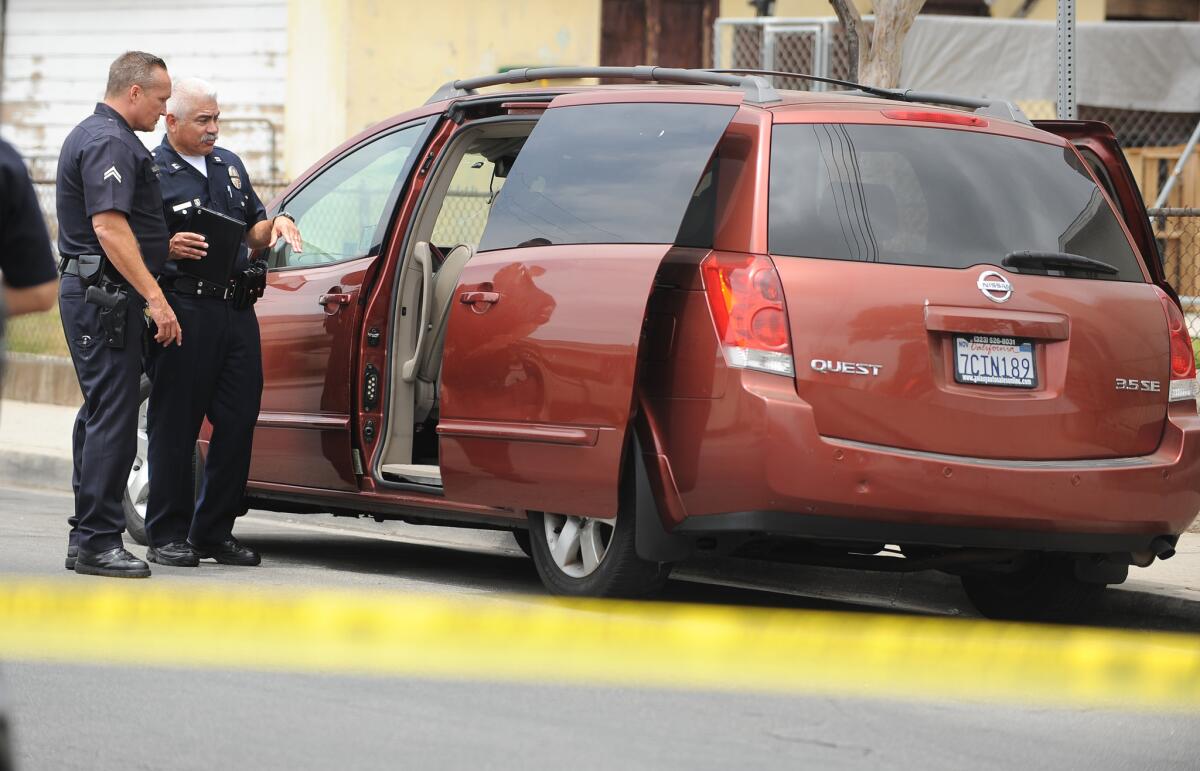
(1164, 546)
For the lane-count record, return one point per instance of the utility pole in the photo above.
(1065, 38)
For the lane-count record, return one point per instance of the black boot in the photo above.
(114, 563)
(229, 552)
(179, 554)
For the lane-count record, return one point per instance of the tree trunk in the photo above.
(878, 57)
(893, 20)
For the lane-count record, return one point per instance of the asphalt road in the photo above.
(120, 717)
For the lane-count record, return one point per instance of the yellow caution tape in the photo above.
(616, 643)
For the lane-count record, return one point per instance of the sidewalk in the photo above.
(35, 444)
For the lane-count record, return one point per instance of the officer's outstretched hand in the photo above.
(187, 246)
(282, 227)
(168, 329)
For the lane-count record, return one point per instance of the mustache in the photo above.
(208, 137)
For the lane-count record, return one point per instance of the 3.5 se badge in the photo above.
(235, 178)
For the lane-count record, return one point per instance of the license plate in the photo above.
(994, 361)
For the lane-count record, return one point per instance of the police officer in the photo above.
(27, 272)
(112, 240)
(218, 373)
(26, 263)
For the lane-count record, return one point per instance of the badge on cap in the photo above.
(235, 178)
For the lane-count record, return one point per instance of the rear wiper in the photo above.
(1059, 260)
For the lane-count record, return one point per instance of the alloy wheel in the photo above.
(578, 544)
(137, 488)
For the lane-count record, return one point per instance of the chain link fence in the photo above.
(1177, 232)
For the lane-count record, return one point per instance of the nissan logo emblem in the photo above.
(994, 286)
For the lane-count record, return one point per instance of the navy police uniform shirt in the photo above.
(226, 189)
(103, 167)
(25, 256)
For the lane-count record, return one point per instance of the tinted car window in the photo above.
(339, 212)
(606, 173)
(935, 197)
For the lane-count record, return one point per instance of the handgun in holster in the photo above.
(113, 302)
(249, 285)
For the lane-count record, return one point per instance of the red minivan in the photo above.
(636, 323)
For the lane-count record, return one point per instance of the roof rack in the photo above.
(756, 89)
(997, 108)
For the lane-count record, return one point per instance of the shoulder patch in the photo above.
(112, 173)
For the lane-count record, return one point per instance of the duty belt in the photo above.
(195, 287)
(69, 265)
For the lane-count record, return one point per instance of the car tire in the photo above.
(137, 485)
(1045, 589)
(523, 541)
(617, 572)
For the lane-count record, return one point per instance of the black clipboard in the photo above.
(224, 235)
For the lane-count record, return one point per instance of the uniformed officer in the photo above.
(218, 373)
(27, 272)
(26, 262)
(110, 207)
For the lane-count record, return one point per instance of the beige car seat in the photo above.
(429, 358)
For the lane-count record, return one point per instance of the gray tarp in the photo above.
(1129, 65)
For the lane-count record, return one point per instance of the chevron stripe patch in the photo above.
(112, 173)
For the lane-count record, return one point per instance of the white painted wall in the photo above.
(57, 53)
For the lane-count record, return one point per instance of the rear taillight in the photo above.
(746, 300)
(1183, 358)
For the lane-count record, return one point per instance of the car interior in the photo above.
(445, 234)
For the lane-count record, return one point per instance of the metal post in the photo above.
(822, 53)
(766, 56)
(718, 29)
(1065, 37)
(1187, 153)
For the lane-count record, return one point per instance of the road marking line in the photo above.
(597, 642)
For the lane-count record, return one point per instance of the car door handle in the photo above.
(472, 298)
(333, 299)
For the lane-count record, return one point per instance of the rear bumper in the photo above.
(790, 480)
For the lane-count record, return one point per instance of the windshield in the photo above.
(938, 198)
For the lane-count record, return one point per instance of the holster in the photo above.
(248, 285)
(113, 302)
(91, 268)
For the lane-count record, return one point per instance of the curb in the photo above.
(29, 469)
(44, 379)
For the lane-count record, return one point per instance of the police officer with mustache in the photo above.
(218, 373)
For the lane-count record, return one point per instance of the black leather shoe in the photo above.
(114, 563)
(229, 552)
(177, 553)
(72, 553)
